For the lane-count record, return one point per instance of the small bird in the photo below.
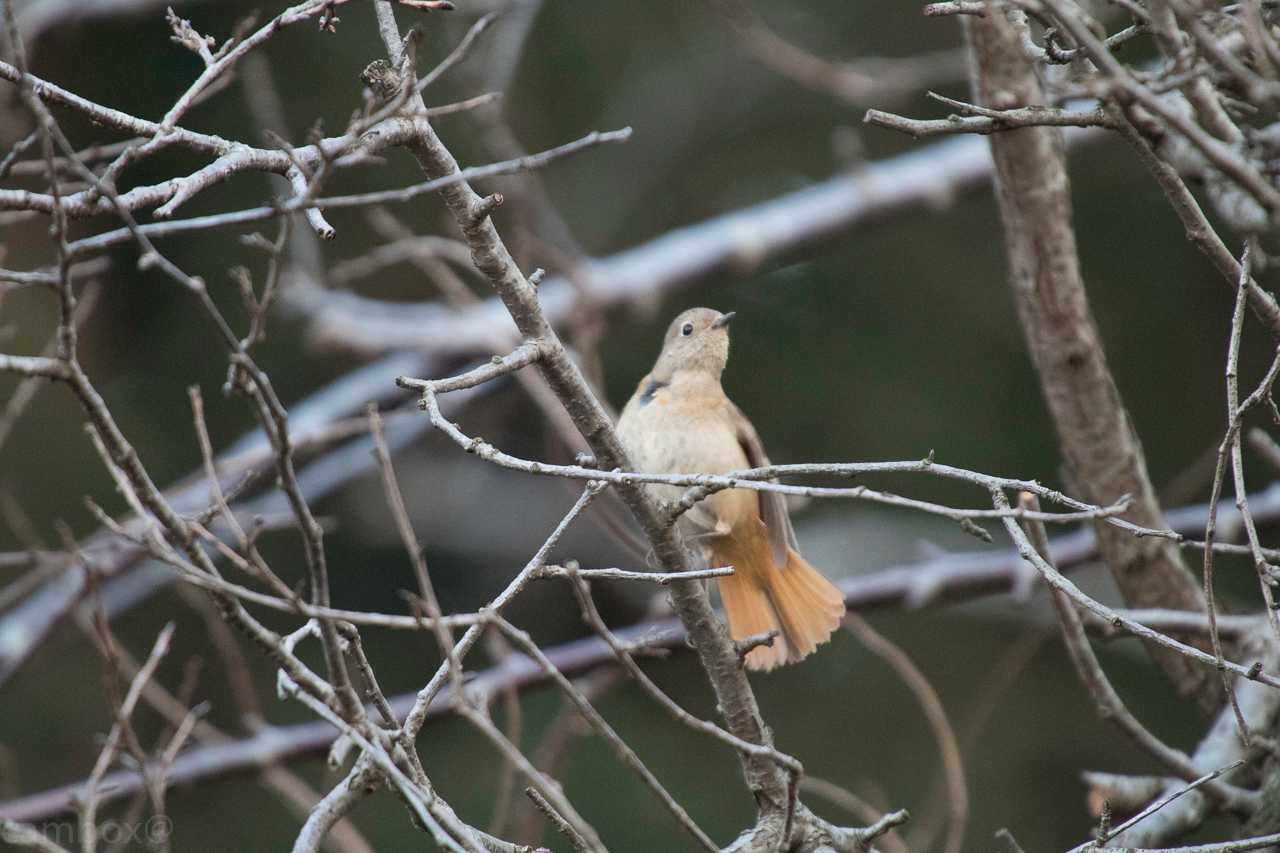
(679, 421)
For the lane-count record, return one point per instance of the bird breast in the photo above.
(677, 431)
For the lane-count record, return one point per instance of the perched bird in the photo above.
(679, 421)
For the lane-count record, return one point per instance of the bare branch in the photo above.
(935, 713)
(1093, 426)
(972, 119)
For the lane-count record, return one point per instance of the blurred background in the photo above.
(891, 340)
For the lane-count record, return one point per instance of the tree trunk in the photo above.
(1102, 451)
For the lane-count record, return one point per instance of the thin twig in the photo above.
(1110, 705)
(562, 826)
(935, 713)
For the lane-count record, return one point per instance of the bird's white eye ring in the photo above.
(687, 329)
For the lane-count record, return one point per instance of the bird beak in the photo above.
(723, 320)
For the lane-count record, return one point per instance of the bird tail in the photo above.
(760, 596)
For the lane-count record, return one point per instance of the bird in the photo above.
(679, 421)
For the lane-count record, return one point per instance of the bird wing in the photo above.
(773, 505)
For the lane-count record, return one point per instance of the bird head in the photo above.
(696, 340)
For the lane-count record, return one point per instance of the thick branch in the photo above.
(733, 692)
(1096, 436)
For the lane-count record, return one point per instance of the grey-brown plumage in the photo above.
(679, 421)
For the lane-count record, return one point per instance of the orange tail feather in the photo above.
(796, 599)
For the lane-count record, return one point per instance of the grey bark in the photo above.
(737, 703)
(1102, 451)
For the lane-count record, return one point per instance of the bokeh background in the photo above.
(892, 340)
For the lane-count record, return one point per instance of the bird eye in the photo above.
(687, 329)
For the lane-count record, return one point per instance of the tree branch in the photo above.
(1094, 430)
